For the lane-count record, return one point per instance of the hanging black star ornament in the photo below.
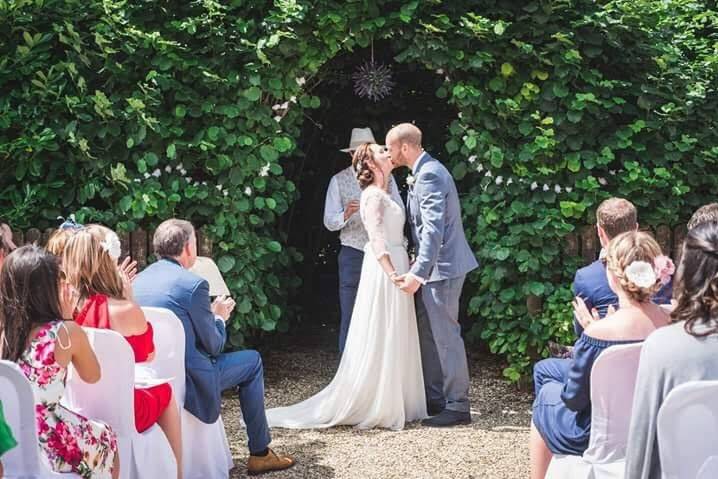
(373, 80)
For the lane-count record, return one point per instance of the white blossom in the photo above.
(285, 105)
(612, 172)
(602, 181)
(460, 115)
(278, 118)
(188, 179)
(137, 180)
(557, 189)
(147, 175)
(480, 168)
(301, 81)
(265, 170)
(569, 189)
(534, 185)
(499, 179)
(293, 99)
(183, 172)
(204, 183)
(472, 158)
(248, 191)
(179, 167)
(641, 274)
(157, 173)
(225, 192)
(168, 169)
(219, 187)
(545, 187)
(440, 71)
(276, 107)
(509, 181)
(488, 174)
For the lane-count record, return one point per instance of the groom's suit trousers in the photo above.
(443, 355)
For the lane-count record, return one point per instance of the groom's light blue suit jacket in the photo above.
(435, 216)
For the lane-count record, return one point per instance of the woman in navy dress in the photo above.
(562, 409)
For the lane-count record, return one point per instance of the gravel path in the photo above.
(493, 446)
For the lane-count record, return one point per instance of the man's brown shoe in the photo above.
(271, 462)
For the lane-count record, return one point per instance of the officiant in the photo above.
(341, 210)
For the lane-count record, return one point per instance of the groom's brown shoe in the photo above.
(271, 462)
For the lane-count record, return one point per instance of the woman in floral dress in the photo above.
(33, 303)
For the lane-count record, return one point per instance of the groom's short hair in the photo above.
(406, 133)
(616, 216)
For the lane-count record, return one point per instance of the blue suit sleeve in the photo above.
(210, 331)
(578, 290)
(432, 207)
(577, 390)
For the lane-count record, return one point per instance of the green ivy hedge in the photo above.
(131, 112)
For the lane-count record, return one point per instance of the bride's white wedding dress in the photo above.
(379, 382)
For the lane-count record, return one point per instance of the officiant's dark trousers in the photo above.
(350, 262)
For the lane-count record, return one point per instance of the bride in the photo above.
(379, 382)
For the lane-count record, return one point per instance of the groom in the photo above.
(443, 259)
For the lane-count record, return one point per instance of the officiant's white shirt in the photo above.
(334, 209)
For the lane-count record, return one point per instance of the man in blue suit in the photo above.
(168, 284)
(443, 259)
(613, 217)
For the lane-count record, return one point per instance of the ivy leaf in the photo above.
(226, 263)
(274, 246)
(252, 93)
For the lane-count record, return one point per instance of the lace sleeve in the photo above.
(372, 213)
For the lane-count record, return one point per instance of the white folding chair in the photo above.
(613, 380)
(205, 449)
(687, 430)
(111, 399)
(25, 461)
(709, 469)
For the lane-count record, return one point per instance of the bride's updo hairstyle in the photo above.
(363, 157)
(631, 258)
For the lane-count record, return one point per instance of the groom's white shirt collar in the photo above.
(418, 161)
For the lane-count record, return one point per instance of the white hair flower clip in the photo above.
(111, 244)
(641, 274)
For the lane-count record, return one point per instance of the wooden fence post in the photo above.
(679, 236)
(589, 244)
(138, 247)
(204, 243)
(663, 237)
(571, 240)
(32, 236)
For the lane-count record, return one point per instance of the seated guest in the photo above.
(6, 244)
(687, 350)
(613, 217)
(58, 239)
(562, 408)
(705, 214)
(168, 284)
(33, 304)
(90, 265)
(7, 441)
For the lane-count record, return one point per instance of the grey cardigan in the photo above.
(669, 357)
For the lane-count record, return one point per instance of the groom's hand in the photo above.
(408, 283)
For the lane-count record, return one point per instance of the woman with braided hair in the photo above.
(692, 340)
(562, 409)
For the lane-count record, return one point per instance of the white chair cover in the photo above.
(111, 399)
(205, 449)
(613, 380)
(25, 461)
(709, 469)
(687, 429)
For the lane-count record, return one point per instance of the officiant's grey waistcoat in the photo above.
(353, 234)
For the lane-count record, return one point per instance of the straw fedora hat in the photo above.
(359, 137)
(207, 269)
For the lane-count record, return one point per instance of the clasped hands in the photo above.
(584, 316)
(406, 282)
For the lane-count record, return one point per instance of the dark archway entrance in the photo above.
(325, 132)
